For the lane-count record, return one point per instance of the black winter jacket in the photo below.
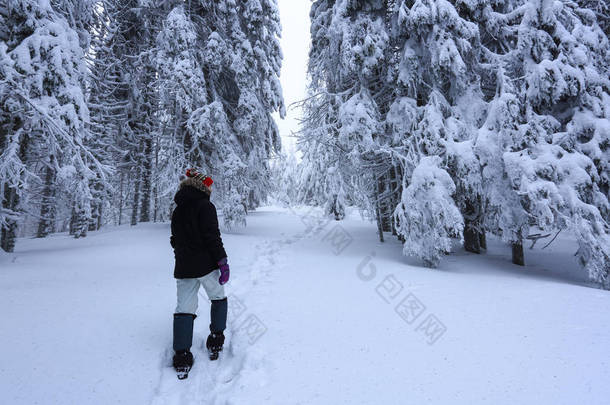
(195, 235)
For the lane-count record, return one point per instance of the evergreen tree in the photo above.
(601, 8)
(546, 135)
(427, 214)
(440, 98)
(343, 117)
(235, 62)
(170, 85)
(123, 101)
(560, 168)
(508, 98)
(43, 113)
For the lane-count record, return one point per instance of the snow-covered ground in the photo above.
(321, 313)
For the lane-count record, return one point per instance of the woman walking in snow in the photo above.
(201, 260)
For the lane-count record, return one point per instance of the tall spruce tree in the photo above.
(560, 168)
(44, 115)
(348, 100)
(439, 98)
(123, 101)
(229, 56)
(507, 99)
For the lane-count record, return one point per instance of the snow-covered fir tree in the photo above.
(546, 123)
(177, 61)
(509, 99)
(343, 115)
(284, 172)
(427, 215)
(317, 144)
(227, 55)
(437, 78)
(601, 9)
(123, 102)
(561, 168)
(169, 85)
(366, 62)
(44, 116)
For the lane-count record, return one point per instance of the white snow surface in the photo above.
(313, 320)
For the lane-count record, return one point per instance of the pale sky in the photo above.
(294, 15)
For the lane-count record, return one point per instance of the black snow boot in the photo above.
(183, 359)
(183, 339)
(214, 344)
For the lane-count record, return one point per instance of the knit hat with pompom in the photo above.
(198, 180)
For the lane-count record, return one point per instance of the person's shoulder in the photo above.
(207, 205)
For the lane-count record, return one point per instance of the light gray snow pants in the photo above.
(189, 287)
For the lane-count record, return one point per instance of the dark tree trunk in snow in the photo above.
(146, 182)
(47, 206)
(472, 241)
(252, 201)
(518, 257)
(136, 201)
(393, 200)
(384, 204)
(472, 227)
(72, 222)
(483, 240)
(121, 198)
(95, 222)
(96, 217)
(337, 209)
(9, 231)
(81, 222)
(156, 203)
(155, 188)
(379, 224)
(11, 202)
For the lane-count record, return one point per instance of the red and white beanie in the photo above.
(205, 179)
(198, 180)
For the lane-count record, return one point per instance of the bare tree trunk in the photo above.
(72, 230)
(156, 183)
(379, 224)
(483, 240)
(81, 221)
(393, 201)
(100, 212)
(518, 256)
(383, 186)
(122, 188)
(47, 207)
(94, 214)
(136, 200)
(251, 202)
(8, 236)
(95, 222)
(399, 173)
(472, 241)
(155, 203)
(9, 230)
(146, 182)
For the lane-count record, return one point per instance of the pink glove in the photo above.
(224, 271)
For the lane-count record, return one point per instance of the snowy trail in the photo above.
(320, 312)
(219, 382)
